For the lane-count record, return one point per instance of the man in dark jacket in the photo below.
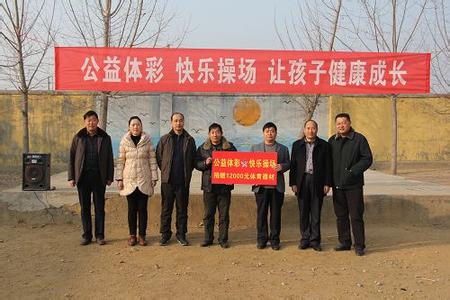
(270, 197)
(351, 157)
(175, 155)
(91, 168)
(310, 179)
(214, 195)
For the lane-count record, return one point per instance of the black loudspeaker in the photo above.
(36, 172)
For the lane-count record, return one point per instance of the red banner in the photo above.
(255, 168)
(240, 71)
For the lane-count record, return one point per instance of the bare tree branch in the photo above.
(25, 49)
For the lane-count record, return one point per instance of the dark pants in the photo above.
(268, 199)
(137, 205)
(310, 207)
(221, 201)
(90, 183)
(170, 194)
(349, 202)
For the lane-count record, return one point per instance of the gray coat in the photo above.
(282, 159)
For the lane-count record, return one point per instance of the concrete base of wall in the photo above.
(379, 209)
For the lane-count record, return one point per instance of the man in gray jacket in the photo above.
(270, 197)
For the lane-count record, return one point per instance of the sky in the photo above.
(243, 24)
(236, 24)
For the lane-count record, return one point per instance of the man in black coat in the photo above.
(351, 157)
(91, 169)
(310, 180)
(175, 155)
(215, 196)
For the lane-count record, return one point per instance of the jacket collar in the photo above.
(224, 143)
(316, 141)
(276, 145)
(350, 135)
(184, 133)
(303, 141)
(83, 132)
(145, 138)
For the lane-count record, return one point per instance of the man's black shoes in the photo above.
(182, 241)
(206, 243)
(275, 246)
(224, 245)
(261, 246)
(359, 251)
(303, 246)
(342, 247)
(317, 248)
(164, 241)
(85, 242)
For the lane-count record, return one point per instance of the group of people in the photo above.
(315, 167)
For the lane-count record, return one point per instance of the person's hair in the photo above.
(215, 126)
(176, 113)
(134, 118)
(342, 115)
(311, 120)
(269, 125)
(90, 114)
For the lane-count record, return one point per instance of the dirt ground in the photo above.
(46, 262)
(402, 261)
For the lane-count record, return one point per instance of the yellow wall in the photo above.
(423, 125)
(424, 130)
(53, 120)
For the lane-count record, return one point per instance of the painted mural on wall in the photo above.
(242, 117)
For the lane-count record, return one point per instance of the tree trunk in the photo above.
(23, 82)
(394, 97)
(106, 42)
(394, 135)
(26, 135)
(311, 103)
(103, 111)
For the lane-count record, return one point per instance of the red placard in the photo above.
(255, 168)
(240, 71)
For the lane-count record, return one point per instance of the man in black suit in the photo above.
(310, 180)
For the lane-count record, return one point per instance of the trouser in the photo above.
(137, 205)
(349, 202)
(310, 207)
(170, 194)
(90, 184)
(268, 199)
(221, 201)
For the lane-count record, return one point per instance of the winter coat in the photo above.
(164, 155)
(105, 156)
(322, 166)
(136, 165)
(205, 151)
(351, 157)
